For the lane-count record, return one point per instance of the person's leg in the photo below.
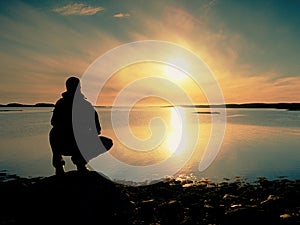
(107, 142)
(77, 157)
(79, 161)
(57, 159)
(94, 151)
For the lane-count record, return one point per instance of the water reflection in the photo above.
(175, 131)
(258, 143)
(180, 140)
(171, 125)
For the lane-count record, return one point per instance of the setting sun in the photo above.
(176, 69)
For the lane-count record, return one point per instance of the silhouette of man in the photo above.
(61, 136)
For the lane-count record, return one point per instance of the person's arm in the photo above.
(97, 121)
(56, 119)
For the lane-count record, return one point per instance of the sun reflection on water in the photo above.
(175, 132)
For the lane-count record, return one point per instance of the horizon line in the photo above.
(253, 104)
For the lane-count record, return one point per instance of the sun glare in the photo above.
(175, 70)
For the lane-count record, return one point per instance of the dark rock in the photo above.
(147, 209)
(91, 198)
(247, 216)
(171, 212)
(74, 198)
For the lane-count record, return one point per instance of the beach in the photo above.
(91, 198)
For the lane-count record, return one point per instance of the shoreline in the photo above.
(90, 198)
(290, 106)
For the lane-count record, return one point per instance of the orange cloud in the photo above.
(121, 15)
(261, 88)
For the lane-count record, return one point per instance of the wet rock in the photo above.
(147, 209)
(272, 204)
(75, 198)
(271, 198)
(230, 197)
(247, 216)
(236, 205)
(91, 198)
(289, 219)
(285, 216)
(171, 212)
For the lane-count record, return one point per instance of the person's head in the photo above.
(72, 83)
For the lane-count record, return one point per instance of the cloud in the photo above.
(122, 15)
(78, 9)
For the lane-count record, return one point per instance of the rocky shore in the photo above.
(90, 198)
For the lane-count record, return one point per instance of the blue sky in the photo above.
(251, 46)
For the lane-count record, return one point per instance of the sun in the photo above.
(175, 69)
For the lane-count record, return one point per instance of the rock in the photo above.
(247, 216)
(271, 198)
(230, 197)
(74, 198)
(146, 210)
(91, 198)
(285, 216)
(171, 212)
(273, 202)
(236, 205)
(290, 219)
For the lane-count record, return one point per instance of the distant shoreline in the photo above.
(287, 106)
(27, 105)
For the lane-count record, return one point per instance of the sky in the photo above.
(251, 47)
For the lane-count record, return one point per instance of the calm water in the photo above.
(257, 142)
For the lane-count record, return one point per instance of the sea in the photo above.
(151, 143)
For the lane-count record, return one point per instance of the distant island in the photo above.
(27, 105)
(287, 106)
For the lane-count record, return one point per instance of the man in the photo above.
(61, 136)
